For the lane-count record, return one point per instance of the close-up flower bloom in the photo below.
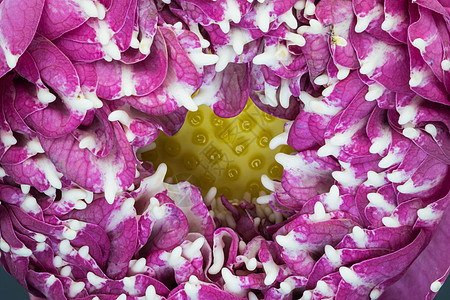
(225, 149)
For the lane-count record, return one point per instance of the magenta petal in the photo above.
(11, 195)
(426, 180)
(372, 272)
(396, 19)
(50, 120)
(316, 53)
(37, 171)
(55, 68)
(437, 146)
(278, 111)
(392, 238)
(340, 14)
(325, 265)
(352, 123)
(345, 91)
(117, 13)
(16, 122)
(115, 19)
(170, 231)
(123, 37)
(188, 198)
(137, 79)
(141, 282)
(7, 93)
(27, 68)
(79, 51)
(47, 284)
(315, 235)
(53, 23)
(423, 81)
(55, 120)
(306, 165)
(382, 62)
(123, 237)
(18, 23)
(370, 16)
(181, 81)
(120, 224)
(96, 39)
(309, 124)
(217, 11)
(88, 77)
(16, 263)
(98, 138)
(230, 84)
(144, 128)
(110, 174)
(429, 41)
(147, 19)
(375, 213)
(300, 137)
(438, 6)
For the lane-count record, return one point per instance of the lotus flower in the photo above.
(360, 212)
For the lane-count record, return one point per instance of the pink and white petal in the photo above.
(333, 259)
(429, 40)
(299, 245)
(426, 181)
(18, 23)
(79, 51)
(226, 92)
(119, 221)
(316, 52)
(382, 62)
(381, 204)
(170, 230)
(188, 198)
(359, 280)
(299, 136)
(97, 137)
(378, 132)
(47, 284)
(55, 68)
(54, 121)
(37, 171)
(340, 14)
(133, 80)
(423, 81)
(181, 81)
(123, 37)
(396, 19)
(306, 174)
(435, 5)
(369, 18)
(110, 174)
(59, 17)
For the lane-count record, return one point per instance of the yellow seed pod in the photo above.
(230, 154)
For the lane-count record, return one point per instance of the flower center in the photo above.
(230, 154)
